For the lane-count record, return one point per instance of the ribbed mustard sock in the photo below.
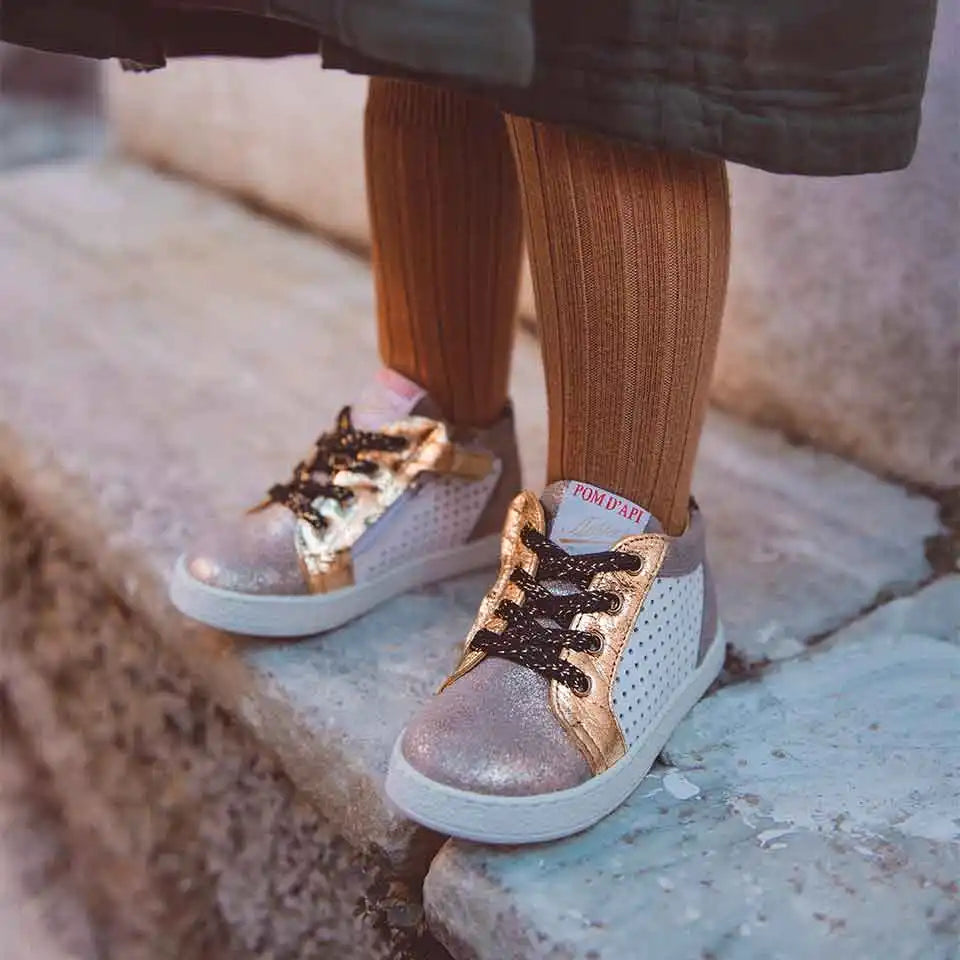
(447, 236)
(629, 249)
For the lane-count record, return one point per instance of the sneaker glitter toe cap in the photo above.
(255, 555)
(493, 732)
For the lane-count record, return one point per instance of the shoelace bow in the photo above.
(526, 639)
(339, 449)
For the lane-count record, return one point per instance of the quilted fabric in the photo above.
(817, 87)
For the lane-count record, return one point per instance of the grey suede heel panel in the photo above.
(687, 551)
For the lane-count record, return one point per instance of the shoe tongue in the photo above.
(389, 396)
(583, 518)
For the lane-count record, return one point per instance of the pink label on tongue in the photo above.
(389, 396)
(589, 519)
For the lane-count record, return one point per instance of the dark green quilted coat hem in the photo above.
(814, 87)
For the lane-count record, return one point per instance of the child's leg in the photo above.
(629, 249)
(560, 704)
(445, 212)
(445, 206)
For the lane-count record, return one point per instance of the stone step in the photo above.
(815, 814)
(166, 355)
(41, 916)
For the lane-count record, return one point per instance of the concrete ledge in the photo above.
(169, 355)
(191, 840)
(284, 134)
(42, 914)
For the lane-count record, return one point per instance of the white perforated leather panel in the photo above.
(440, 515)
(661, 652)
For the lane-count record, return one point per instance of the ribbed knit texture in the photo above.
(447, 236)
(629, 249)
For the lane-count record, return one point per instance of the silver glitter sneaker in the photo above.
(598, 637)
(392, 499)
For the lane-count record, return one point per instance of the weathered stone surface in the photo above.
(41, 912)
(801, 541)
(171, 356)
(283, 133)
(841, 323)
(814, 814)
(191, 842)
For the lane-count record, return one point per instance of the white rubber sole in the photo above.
(488, 818)
(297, 616)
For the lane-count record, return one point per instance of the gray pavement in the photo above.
(812, 813)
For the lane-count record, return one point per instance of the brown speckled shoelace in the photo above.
(340, 449)
(527, 638)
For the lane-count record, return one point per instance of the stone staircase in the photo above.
(164, 356)
(42, 915)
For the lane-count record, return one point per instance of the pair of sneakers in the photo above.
(598, 636)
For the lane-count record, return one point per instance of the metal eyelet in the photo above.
(583, 689)
(616, 603)
(638, 569)
(597, 645)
